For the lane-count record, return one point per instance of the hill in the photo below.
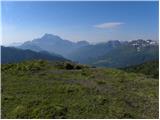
(149, 68)
(11, 55)
(43, 89)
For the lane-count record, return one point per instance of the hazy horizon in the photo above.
(77, 21)
(16, 43)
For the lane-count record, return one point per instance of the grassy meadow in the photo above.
(43, 89)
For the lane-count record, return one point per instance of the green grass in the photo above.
(41, 89)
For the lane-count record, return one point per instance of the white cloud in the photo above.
(108, 25)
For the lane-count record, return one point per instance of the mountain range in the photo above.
(113, 53)
(117, 54)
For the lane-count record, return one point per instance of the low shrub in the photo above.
(69, 66)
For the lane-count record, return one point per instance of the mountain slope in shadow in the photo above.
(12, 55)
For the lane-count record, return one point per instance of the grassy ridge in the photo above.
(151, 69)
(41, 89)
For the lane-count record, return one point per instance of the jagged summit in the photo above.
(83, 42)
(143, 43)
(50, 36)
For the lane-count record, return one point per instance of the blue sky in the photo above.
(75, 21)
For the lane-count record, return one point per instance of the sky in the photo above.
(91, 21)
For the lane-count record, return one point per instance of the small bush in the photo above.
(78, 67)
(20, 112)
(101, 82)
(101, 100)
(69, 66)
(50, 112)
